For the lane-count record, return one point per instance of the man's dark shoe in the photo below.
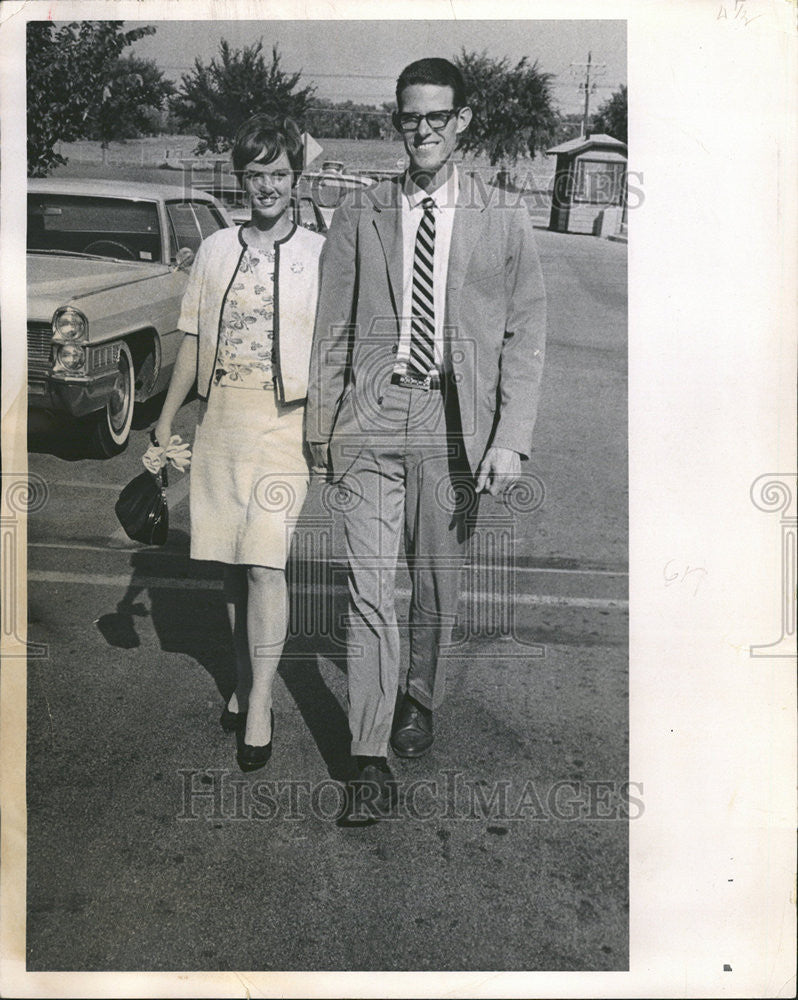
(372, 794)
(412, 734)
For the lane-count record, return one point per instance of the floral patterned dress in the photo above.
(246, 338)
(249, 475)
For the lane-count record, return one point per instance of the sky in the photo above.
(360, 60)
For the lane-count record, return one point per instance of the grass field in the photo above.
(144, 159)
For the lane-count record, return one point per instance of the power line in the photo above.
(350, 111)
(560, 86)
(304, 72)
(356, 76)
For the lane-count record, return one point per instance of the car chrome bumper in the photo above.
(76, 396)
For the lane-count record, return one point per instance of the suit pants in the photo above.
(409, 480)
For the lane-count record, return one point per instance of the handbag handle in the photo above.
(162, 475)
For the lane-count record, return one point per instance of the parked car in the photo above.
(329, 186)
(107, 265)
(317, 194)
(304, 210)
(224, 188)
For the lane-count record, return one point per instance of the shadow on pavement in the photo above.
(317, 615)
(189, 621)
(193, 622)
(59, 435)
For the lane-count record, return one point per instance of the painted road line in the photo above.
(72, 484)
(87, 548)
(82, 547)
(174, 583)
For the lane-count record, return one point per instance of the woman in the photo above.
(247, 317)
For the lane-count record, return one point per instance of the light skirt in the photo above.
(249, 478)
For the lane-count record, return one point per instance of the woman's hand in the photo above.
(176, 452)
(162, 432)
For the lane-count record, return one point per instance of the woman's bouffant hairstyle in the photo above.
(261, 139)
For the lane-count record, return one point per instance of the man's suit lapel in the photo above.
(465, 233)
(388, 223)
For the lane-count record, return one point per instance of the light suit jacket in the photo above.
(494, 324)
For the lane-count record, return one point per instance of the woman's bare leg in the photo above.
(267, 624)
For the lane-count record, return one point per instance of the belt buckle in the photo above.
(415, 381)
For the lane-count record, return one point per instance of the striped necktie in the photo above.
(422, 324)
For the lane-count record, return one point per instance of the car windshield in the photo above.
(118, 228)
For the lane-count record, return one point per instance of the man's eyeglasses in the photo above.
(437, 120)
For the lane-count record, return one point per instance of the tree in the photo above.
(214, 100)
(612, 116)
(131, 101)
(68, 68)
(512, 105)
(345, 120)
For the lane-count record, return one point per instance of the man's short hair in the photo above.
(438, 72)
(261, 139)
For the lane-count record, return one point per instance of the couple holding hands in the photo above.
(403, 355)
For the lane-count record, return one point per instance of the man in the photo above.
(424, 386)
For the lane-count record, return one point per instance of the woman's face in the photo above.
(269, 187)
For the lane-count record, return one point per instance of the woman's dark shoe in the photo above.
(232, 721)
(250, 758)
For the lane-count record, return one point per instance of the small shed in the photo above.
(589, 185)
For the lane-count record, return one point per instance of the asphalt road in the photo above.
(148, 849)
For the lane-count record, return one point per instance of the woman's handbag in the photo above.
(142, 509)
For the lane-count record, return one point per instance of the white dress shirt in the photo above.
(445, 198)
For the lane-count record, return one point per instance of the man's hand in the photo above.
(319, 456)
(498, 470)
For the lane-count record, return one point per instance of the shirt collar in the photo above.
(444, 196)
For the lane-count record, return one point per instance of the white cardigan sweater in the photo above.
(296, 284)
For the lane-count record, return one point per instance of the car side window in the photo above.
(191, 222)
(185, 230)
(208, 218)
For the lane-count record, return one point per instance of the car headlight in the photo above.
(69, 325)
(70, 357)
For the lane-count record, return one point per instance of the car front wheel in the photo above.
(112, 424)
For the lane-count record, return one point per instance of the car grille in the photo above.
(39, 348)
(104, 356)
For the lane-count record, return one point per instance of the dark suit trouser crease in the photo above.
(409, 480)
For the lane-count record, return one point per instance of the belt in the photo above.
(425, 382)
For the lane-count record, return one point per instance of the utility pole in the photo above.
(588, 85)
(586, 119)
